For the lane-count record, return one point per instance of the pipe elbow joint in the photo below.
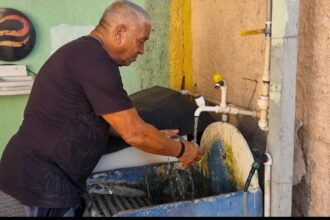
(222, 108)
(200, 101)
(269, 160)
(204, 108)
(263, 125)
(198, 111)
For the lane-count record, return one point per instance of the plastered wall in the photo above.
(218, 47)
(152, 68)
(49, 16)
(311, 196)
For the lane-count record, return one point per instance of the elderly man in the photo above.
(77, 96)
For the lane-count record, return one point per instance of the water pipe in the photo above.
(263, 101)
(239, 111)
(222, 107)
(200, 101)
(222, 85)
(225, 109)
(267, 185)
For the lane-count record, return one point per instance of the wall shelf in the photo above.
(14, 80)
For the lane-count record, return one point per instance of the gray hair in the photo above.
(123, 9)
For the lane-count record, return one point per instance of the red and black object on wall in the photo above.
(17, 35)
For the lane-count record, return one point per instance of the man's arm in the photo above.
(113, 132)
(136, 132)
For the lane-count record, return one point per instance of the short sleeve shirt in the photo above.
(63, 134)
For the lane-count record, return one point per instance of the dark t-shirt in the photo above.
(63, 135)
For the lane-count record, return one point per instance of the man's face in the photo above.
(133, 43)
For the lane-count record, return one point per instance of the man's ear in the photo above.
(120, 33)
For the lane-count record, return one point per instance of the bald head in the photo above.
(121, 11)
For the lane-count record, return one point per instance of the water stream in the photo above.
(192, 184)
(147, 184)
(169, 169)
(180, 183)
(195, 129)
(195, 142)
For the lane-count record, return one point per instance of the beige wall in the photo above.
(311, 196)
(218, 47)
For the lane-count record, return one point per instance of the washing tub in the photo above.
(211, 188)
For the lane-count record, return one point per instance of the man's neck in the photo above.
(96, 38)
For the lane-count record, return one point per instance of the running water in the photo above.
(194, 142)
(182, 187)
(195, 129)
(180, 182)
(147, 184)
(169, 168)
(192, 184)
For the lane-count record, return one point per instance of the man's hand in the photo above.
(191, 155)
(136, 132)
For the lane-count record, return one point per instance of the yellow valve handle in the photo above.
(252, 32)
(217, 77)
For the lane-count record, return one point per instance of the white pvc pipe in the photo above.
(247, 112)
(223, 103)
(219, 109)
(204, 108)
(233, 110)
(267, 189)
(263, 101)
